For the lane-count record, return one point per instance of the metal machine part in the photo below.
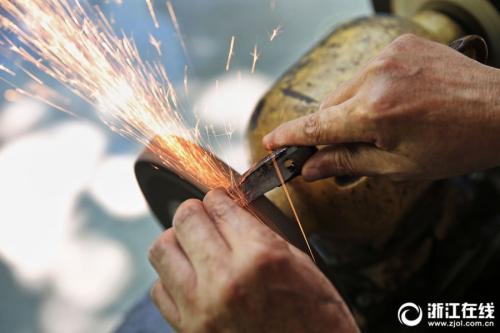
(480, 17)
(263, 176)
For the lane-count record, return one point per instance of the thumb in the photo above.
(337, 124)
(348, 160)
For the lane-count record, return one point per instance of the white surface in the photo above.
(229, 102)
(115, 188)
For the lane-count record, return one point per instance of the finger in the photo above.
(198, 236)
(172, 264)
(165, 304)
(338, 124)
(344, 92)
(235, 223)
(352, 160)
(349, 88)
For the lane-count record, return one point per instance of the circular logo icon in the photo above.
(403, 312)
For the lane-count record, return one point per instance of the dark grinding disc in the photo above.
(163, 189)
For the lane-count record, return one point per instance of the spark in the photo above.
(255, 56)
(275, 33)
(155, 43)
(228, 129)
(186, 85)
(31, 75)
(230, 53)
(177, 27)
(6, 70)
(152, 13)
(44, 100)
(292, 206)
(77, 47)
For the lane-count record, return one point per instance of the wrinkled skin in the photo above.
(419, 110)
(222, 270)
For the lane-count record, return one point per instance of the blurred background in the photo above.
(74, 228)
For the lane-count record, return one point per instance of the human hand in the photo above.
(222, 270)
(419, 110)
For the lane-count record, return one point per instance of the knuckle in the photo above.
(365, 114)
(157, 250)
(390, 58)
(384, 64)
(312, 127)
(213, 196)
(186, 210)
(218, 203)
(153, 253)
(378, 104)
(405, 42)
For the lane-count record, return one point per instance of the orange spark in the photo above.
(255, 56)
(153, 14)
(230, 53)
(44, 100)
(77, 47)
(177, 27)
(292, 206)
(155, 43)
